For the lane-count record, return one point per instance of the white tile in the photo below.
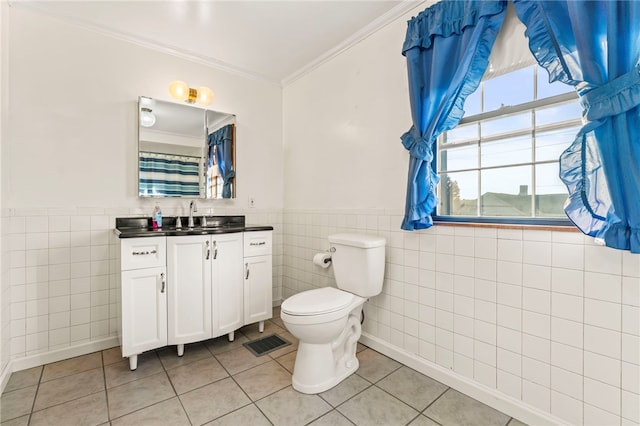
(509, 317)
(445, 244)
(37, 341)
(602, 368)
(443, 357)
(59, 320)
(17, 259)
(80, 285)
(485, 332)
(38, 257)
(463, 305)
(444, 301)
(59, 224)
(464, 265)
(536, 348)
(35, 224)
(566, 408)
(631, 319)
(79, 238)
(509, 384)
(536, 300)
(594, 416)
(427, 260)
(485, 269)
(509, 361)
(79, 301)
(428, 351)
(100, 329)
(568, 281)
(427, 332)
(536, 253)
(567, 332)
(567, 256)
(603, 314)
(631, 291)
(58, 288)
(100, 237)
(536, 371)
(59, 255)
(485, 353)
(485, 248)
(59, 272)
(535, 276)
(80, 316)
(463, 325)
(536, 395)
(59, 337)
(509, 339)
(38, 240)
(411, 275)
(510, 250)
(37, 324)
(17, 225)
(463, 246)
(601, 395)
(444, 320)
(509, 234)
(603, 286)
(631, 377)
(485, 290)
(566, 382)
(444, 339)
(463, 365)
(574, 237)
(17, 241)
(631, 348)
(485, 374)
(602, 259)
(59, 239)
(464, 285)
(485, 311)
(463, 345)
(80, 269)
(100, 222)
(509, 272)
(630, 264)
(509, 295)
(536, 324)
(59, 304)
(567, 306)
(631, 406)
(602, 341)
(444, 282)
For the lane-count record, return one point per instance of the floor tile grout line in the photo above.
(33, 404)
(104, 378)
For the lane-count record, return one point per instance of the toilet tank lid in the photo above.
(358, 240)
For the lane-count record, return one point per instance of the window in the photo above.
(500, 164)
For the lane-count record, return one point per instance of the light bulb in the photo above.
(205, 96)
(147, 118)
(179, 90)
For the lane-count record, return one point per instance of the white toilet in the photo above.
(326, 321)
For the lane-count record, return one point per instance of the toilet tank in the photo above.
(358, 263)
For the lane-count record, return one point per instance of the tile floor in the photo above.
(221, 383)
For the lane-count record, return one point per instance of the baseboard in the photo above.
(59, 355)
(491, 397)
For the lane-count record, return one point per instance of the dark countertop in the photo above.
(133, 227)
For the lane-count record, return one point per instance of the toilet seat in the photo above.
(319, 305)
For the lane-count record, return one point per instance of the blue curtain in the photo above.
(447, 49)
(222, 141)
(595, 46)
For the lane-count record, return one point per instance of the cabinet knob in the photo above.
(215, 250)
(208, 251)
(164, 283)
(143, 253)
(246, 266)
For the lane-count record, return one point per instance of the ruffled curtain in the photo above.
(595, 46)
(222, 140)
(447, 47)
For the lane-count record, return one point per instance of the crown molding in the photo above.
(147, 43)
(396, 12)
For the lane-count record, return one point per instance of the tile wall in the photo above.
(548, 318)
(63, 274)
(5, 293)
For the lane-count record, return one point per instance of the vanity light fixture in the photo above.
(147, 117)
(202, 95)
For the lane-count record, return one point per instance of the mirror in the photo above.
(185, 151)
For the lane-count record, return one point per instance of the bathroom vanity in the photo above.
(184, 285)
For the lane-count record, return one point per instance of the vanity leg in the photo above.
(181, 350)
(133, 362)
(261, 326)
(231, 335)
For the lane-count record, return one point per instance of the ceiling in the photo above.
(272, 40)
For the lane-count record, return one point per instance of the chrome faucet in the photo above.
(192, 208)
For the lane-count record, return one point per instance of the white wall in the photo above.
(72, 140)
(69, 159)
(543, 325)
(4, 270)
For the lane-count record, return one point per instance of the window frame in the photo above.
(506, 111)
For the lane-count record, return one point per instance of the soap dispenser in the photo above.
(156, 220)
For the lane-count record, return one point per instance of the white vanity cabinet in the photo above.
(144, 296)
(258, 261)
(189, 298)
(179, 289)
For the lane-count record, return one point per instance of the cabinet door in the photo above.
(257, 289)
(226, 283)
(189, 288)
(144, 310)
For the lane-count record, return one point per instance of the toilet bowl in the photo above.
(326, 321)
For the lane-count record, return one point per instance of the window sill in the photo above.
(557, 228)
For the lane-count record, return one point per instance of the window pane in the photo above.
(549, 145)
(506, 192)
(462, 133)
(509, 89)
(507, 124)
(558, 114)
(506, 151)
(551, 193)
(546, 89)
(458, 158)
(458, 194)
(473, 103)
